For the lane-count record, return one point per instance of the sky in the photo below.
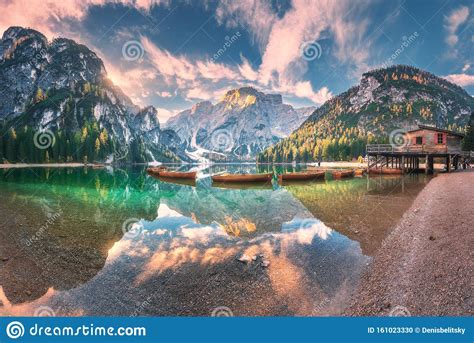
(173, 54)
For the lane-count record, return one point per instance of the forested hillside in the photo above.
(395, 98)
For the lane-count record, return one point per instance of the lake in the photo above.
(83, 241)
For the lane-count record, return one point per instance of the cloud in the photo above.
(161, 73)
(247, 71)
(164, 94)
(461, 79)
(466, 67)
(305, 90)
(453, 22)
(208, 80)
(283, 66)
(47, 16)
(256, 15)
(179, 67)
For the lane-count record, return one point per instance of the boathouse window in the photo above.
(440, 138)
(419, 140)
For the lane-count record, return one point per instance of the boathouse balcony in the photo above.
(423, 149)
(423, 140)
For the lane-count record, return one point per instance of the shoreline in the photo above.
(425, 265)
(96, 165)
(47, 165)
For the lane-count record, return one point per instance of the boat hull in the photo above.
(175, 175)
(243, 178)
(303, 176)
(155, 170)
(340, 174)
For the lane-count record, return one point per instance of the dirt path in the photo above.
(425, 266)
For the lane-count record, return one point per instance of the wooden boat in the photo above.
(156, 170)
(359, 172)
(177, 175)
(314, 168)
(339, 174)
(302, 176)
(386, 171)
(242, 178)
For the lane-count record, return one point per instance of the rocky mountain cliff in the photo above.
(394, 98)
(242, 124)
(60, 88)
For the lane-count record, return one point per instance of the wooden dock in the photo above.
(408, 158)
(424, 143)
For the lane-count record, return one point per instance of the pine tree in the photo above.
(39, 95)
(97, 147)
(468, 142)
(87, 87)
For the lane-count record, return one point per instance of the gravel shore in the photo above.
(425, 266)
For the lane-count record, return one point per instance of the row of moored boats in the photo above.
(307, 175)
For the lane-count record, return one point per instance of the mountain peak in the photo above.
(16, 32)
(246, 96)
(409, 73)
(385, 100)
(146, 119)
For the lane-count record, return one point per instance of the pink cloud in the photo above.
(461, 79)
(247, 71)
(161, 72)
(453, 22)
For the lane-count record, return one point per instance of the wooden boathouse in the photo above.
(425, 144)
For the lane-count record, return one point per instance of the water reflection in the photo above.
(294, 250)
(174, 255)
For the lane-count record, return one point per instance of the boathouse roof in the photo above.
(433, 128)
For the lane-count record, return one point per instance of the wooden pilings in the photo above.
(410, 161)
(429, 168)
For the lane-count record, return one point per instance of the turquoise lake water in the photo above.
(83, 241)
